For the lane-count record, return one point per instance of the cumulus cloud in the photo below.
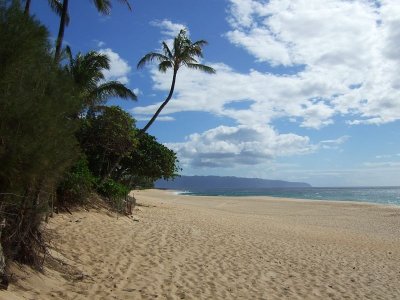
(159, 119)
(225, 146)
(271, 96)
(348, 43)
(169, 29)
(119, 68)
(346, 53)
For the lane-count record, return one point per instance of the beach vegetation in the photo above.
(106, 137)
(37, 133)
(149, 161)
(87, 71)
(77, 183)
(59, 141)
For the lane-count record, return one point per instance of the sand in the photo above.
(185, 247)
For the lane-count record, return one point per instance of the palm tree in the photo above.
(102, 6)
(87, 72)
(183, 53)
(55, 5)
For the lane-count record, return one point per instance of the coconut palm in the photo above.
(87, 72)
(55, 5)
(183, 53)
(102, 6)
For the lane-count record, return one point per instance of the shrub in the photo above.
(115, 192)
(77, 183)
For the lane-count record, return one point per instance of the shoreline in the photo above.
(360, 202)
(185, 247)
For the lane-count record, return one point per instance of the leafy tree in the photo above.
(184, 53)
(102, 6)
(149, 161)
(106, 137)
(37, 136)
(87, 72)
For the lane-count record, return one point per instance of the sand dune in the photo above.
(181, 247)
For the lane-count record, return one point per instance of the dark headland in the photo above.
(196, 183)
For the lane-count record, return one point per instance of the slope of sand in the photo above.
(181, 247)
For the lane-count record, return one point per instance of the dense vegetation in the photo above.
(58, 140)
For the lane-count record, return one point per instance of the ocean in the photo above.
(381, 195)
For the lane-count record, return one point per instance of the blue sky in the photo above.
(305, 90)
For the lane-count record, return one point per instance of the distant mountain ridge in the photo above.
(198, 183)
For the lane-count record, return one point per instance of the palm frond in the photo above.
(201, 67)
(87, 70)
(127, 3)
(150, 57)
(165, 65)
(167, 51)
(103, 6)
(200, 43)
(111, 89)
(96, 60)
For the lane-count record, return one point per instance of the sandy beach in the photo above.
(187, 247)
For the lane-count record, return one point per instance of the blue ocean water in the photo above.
(382, 195)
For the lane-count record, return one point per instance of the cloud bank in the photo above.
(346, 54)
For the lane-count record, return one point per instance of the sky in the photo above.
(305, 90)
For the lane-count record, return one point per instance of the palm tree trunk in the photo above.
(27, 7)
(171, 91)
(61, 29)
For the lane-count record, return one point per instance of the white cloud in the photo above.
(382, 164)
(347, 52)
(119, 68)
(272, 96)
(159, 119)
(137, 91)
(340, 43)
(226, 147)
(169, 29)
(333, 144)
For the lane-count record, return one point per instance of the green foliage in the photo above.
(37, 133)
(77, 184)
(105, 138)
(87, 73)
(148, 162)
(112, 189)
(115, 192)
(42, 137)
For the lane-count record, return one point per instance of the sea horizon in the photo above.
(388, 195)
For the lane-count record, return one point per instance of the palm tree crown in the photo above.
(102, 6)
(184, 53)
(87, 72)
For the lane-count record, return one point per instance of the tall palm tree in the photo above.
(87, 72)
(102, 6)
(55, 5)
(183, 53)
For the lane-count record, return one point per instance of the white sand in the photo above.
(185, 247)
